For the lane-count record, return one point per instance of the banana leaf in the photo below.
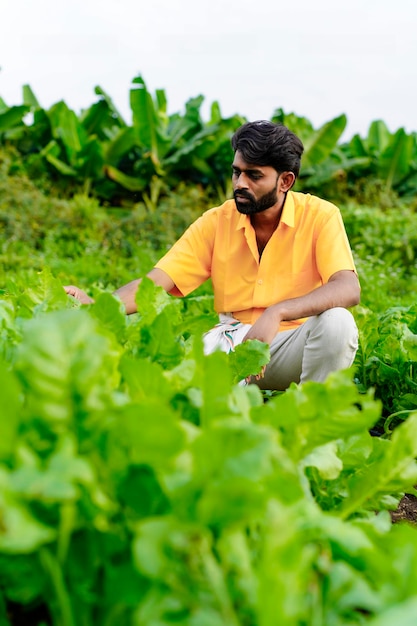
(394, 162)
(130, 183)
(322, 141)
(318, 144)
(378, 138)
(111, 106)
(215, 113)
(51, 153)
(67, 129)
(357, 147)
(301, 126)
(330, 169)
(161, 100)
(191, 145)
(408, 186)
(98, 120)
(121, 145)
(187, 126)
(13, 116)
(147, 123)
(29, 98)
(91, 160)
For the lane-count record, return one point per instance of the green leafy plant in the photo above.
(141, 484)
(386, 361)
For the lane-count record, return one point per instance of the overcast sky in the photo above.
(317, 58)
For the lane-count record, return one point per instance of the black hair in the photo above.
(267, 143)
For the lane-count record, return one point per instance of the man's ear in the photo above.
(286, 181)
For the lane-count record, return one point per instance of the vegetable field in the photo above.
(141, 485)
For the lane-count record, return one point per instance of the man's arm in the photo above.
(342, 290)
(127, 293)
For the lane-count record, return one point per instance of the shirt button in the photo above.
(260, 281)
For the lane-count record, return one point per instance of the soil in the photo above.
(407, 510)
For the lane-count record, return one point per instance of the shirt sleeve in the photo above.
(333, 251)
(188, 262)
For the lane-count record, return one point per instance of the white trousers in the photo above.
(325, 343)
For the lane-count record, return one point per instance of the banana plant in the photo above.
(161, 149)
(322, 160)
(76, 146)
(71, 151)
(11, 117)
(318, 143)
(392, 157)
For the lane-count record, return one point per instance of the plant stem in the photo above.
(64, 615)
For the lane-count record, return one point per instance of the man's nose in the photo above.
(241, 181)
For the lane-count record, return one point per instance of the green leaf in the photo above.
(146, 122)
(151, 432)
(111, 314)
(393, 471)
(20, 532)
(131, 183)
(59, 480)
(161, 342)
(110, 104)
(355, 450)
(326, 460)
(151, 300)
(47, 294)
(249, 358)
(301, 126)
(10, 406)
(50, 152)
(216, 383)
(90, 160)
(378, 137)
(394, 161)
(67, 128)
(144, 379)
(29, 98)
(66, 366)
(404, 613)
(240, 464)
(321, 142)
(357, 147)
(12, 117)
(314, 414)
(121, 144)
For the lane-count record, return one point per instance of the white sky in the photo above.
(317, 58)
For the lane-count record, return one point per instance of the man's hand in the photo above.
(342, 290)
(127, 293)
(79, 294)
(251, 379)
(266, 326)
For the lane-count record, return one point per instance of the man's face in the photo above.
(255, 187)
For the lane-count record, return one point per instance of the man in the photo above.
(280, 263)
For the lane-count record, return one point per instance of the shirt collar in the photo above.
(288, 211)
(287, 217)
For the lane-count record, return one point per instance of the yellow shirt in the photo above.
(309, 245)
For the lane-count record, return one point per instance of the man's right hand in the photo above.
(127, 293)
(79, 294)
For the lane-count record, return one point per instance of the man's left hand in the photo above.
(266, 327)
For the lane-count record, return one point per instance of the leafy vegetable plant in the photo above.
(141, 484)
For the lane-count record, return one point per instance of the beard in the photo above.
(254, 206)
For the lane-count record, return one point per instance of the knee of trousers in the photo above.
(338, 328)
